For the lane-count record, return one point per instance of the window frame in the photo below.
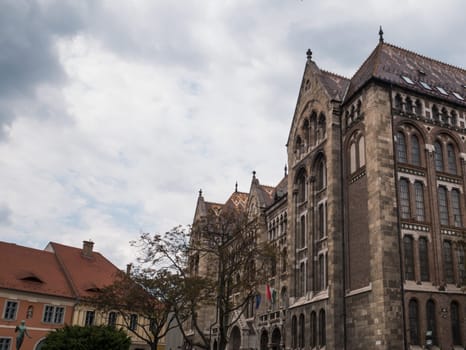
(51, 312)
(5, 343)
(6, 309)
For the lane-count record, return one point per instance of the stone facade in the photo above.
(370, 218)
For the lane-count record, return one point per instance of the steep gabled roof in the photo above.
(32, 270)
(87, 274)
(389, 63)
(237, 200)
(335, 84)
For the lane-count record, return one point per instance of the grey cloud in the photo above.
(28, 57)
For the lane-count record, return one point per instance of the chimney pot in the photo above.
(87, 248)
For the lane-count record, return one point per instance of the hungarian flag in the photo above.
(268, 292)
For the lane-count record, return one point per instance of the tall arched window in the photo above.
(302, 279)
(451, 157)
(414, 322)
(301, 331)
(431, 321)
(419, 198)
(313, 329)
(453, 118)
(455, 323)
(443, 205)
(404, 199)
(409, 257)
(322, 122)
(301, 182)
(353, 165)
(362, 151)
(321, 221)
(401, 147)
(322, 328)
(448, 262)
(321, 174)
(294, 332)
(302, 236)
(307, 132)
(423, 259)
(438, 156)
(456, 208)
(409, 105)
(415, 151)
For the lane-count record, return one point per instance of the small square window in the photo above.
(11, 307)
(407, 79)
(425, 85)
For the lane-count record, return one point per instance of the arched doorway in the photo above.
(276, 339)
(235, 339)
(39, 344)
(264, 340)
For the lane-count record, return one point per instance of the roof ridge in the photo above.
(365, 61)
(334, 74)
(463, 70)
(65, 271)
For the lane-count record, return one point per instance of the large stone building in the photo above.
(370, 218)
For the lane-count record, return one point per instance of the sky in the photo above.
(113, 114)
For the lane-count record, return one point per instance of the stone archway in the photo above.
(276, 339)
(235, 339)
(264, 340)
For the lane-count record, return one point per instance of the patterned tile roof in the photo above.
(390, 63)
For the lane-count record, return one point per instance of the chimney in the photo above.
(128, 268)
(87, 248)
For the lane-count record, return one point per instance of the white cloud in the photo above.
(159, 99)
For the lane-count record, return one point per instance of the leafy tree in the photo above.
(87, 338)
(227, 244)
(141, 303)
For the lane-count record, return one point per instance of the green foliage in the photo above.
(87, 338)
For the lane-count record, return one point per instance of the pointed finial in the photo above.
(286, 170)
(236, 186)
(200, 193)
(309, 54)
(253, 174)
(380, 35)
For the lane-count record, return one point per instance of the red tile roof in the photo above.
(87, 274)
(58, 270)
(31, 270)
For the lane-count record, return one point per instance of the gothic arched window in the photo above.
(431, 321)
(301, 331)
(409, 257)
(415, 150)
(401, 147)
(313, 329)
(438, 156)
(451, 157)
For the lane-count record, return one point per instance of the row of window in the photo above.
(437, 114)
(431, 322)
(320, 180)
(453, 261)
(312, 132)
(51, 314)
(320, 275)
(445, 154)
(317, 328)
(412, 203)
(277, 227)
(55, 315)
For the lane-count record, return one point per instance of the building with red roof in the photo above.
(49, 288)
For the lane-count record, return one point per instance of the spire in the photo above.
(236, 186)
(254, 174)
(309, 54)
(286, 170)
(381, 35)
(200, 193)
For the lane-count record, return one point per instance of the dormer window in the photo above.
(441, 90)
(425, 85)
(407, 79)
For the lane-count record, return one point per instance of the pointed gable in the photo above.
(389, 63)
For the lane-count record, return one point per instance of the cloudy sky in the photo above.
(113, 114)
